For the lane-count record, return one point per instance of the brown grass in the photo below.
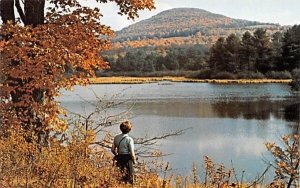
(141, 80)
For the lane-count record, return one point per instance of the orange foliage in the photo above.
(43, 167)
(37, 61)
(72, 163)
(287, 159)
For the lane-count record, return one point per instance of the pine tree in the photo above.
(291, 48)
(232, 47)
(263, 50)
(217, 55)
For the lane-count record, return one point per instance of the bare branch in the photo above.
(143, 141)
(260, 178)
(103, 116)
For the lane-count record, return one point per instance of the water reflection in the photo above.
(225, 130)
(258, 109)
(292, 112)
(223, 139)
(228, 123)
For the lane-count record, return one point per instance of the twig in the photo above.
(236, 179)
(260, 177)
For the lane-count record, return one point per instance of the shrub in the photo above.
(287, 159)
(279, 75)
(26, 164)
(201, 74)
(296, 80)
(250, 75)
(296, 73)
(224, 75)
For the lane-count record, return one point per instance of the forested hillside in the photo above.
(188, 22)
(260, 54)
(196, 43)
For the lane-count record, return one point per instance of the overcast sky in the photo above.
(284, 12)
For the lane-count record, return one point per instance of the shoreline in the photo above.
(144, 80)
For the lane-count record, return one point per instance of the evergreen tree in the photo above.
(277, 51)
(247, 52)
(263, 50)
(217, 55)
(291, 48)
(232, 47)
(150, 64)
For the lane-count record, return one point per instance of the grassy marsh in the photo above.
(141, 80)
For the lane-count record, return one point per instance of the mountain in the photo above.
(186, 22)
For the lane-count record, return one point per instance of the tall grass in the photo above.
(78, 164)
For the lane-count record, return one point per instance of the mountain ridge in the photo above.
(183, 22)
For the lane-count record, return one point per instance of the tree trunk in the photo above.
(34, 12)
(7, 11)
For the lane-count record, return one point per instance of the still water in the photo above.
(229, 123)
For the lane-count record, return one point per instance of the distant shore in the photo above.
(141, 80)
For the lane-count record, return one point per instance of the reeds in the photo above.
(142, 80)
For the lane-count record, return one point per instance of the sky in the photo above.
(284, 12)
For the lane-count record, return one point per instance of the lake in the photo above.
(229, 123)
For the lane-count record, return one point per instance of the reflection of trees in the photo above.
(175, 109)
(288, 110)
(261, 110)
(292, 112)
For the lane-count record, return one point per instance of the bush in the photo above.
(146, 74)
(296, 73)
(286, 159)
(250, 75)
(296, 80)
(201, 74)
(163, 73)
(224, 75)
(73, 163)
(279, 75)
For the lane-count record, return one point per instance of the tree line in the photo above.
(257, 52)
(252, 55)
(161, 58)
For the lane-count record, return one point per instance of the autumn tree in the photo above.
(50, 49)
